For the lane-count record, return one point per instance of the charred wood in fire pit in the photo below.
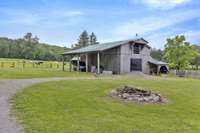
(135, 94)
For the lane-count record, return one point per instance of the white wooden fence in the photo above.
(188, 73)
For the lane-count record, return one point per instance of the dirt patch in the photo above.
(129, 93)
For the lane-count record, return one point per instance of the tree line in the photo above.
(29, 47)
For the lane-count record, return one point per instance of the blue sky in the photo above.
(61, 21)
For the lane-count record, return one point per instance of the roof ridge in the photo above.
(102, 46)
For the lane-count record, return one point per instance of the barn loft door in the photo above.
(136, 65)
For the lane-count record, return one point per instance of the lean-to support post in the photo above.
(78, 64)
(158, 69)
(86, 62)
(98, 63)
(70, 64)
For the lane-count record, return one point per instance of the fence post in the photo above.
(23, 65)
(12, 65)
(63, 67)
(2, 64)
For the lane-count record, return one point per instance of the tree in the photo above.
(178, 52)
(28, 37)
(196, 60)
(157, 54)
(35, 40)
(83, 39)
(93, 39)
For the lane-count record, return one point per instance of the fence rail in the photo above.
(4, 64)
(186, 73)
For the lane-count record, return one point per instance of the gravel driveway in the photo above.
(7, 89)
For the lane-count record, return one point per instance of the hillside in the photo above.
(20, 48)
(197, 47)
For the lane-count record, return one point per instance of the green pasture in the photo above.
(83, 106)
(19, 68)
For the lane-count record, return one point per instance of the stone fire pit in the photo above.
(129, 93)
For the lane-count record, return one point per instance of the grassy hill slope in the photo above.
(19, 48)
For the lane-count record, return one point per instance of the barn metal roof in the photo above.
(104, 46)
(156, 62)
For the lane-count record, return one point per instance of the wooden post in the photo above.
(78, 64)
(70, 64)
(23, 64)
(86, 62)
(98, 63)
(63, 67)
(158, 69)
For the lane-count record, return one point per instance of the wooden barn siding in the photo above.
(110, 60)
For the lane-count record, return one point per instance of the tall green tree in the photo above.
(30, 39)
(83, 39)
(93, 39)
(178, 52)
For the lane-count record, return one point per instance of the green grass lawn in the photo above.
(83, 106)
(30, 70)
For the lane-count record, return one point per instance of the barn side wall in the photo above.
(127, 54)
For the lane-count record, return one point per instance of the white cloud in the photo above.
(64, 13)
(73, 13)
(162, 4)
(52, 17)
(158, 40)
(157, 28)
(192, 36)
(19, 17)
(51, 26)
(149, 24)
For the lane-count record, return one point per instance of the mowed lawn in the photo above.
(15, 68)
(83, 106)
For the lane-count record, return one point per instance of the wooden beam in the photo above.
(86, 62)
(98, 63)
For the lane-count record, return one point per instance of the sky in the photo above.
(60, 22)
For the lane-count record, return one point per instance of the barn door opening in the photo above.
(136, 65)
